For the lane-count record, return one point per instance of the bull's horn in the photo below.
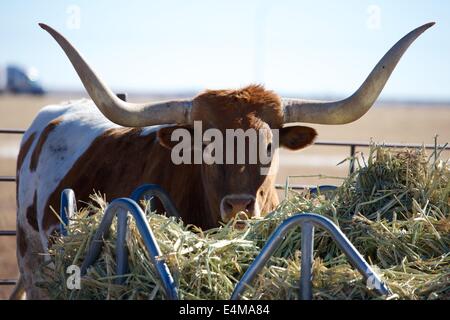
(116, 110)
(355, 106)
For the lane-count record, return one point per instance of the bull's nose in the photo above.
(233, 204)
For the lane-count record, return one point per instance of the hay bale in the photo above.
(394, 208)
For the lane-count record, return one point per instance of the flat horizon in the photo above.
(165, 94)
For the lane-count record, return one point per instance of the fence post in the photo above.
(352, 160)
(122, 96)
(121, 247)
(307, 261)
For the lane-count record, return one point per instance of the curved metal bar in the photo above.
(323, 188)
(344, 244)
(68, 206)
(153, 190)
(119, 207)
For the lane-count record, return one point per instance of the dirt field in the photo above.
(386, 123)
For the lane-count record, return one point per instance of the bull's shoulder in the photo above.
(75, 146)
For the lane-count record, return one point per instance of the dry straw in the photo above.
(394, 208)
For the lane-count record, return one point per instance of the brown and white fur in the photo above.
(73, 145)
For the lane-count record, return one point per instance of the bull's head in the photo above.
(232, 188)
(236, 178)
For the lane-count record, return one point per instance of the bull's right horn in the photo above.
(355, 106)
(123, 113)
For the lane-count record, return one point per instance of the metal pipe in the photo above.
(322, 188)
(12, 131)
(97, 241)
(307, 261)
(387, 145)
(8, 178)
(121, 247)
(343, 243)
(7, 233)
(318, 143)
(122, 206)
(67, 209)
(148, 191)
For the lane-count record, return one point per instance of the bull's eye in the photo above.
(269, 150)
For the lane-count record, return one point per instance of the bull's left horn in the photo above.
(355, 106)
(123, 113)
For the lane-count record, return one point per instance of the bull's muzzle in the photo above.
(240, 206)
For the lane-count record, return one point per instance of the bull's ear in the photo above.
(164, 135)
(297, 137)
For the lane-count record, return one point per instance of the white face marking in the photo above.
(224, 215)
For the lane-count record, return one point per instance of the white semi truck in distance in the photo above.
(16, 79)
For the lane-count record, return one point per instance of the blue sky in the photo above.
(303, 48)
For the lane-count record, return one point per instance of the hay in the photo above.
(394, 208)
